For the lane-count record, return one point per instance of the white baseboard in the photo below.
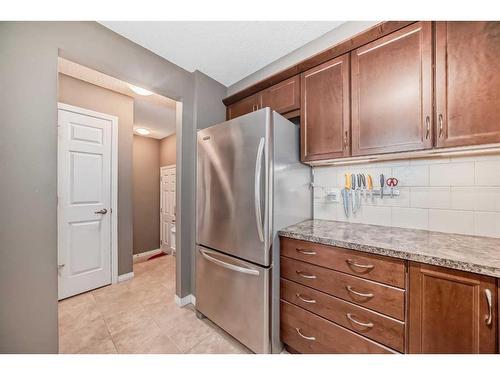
(146, 254)
(185, 300)
(125, 276)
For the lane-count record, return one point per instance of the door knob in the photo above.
(102, 212)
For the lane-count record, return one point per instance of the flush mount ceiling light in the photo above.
(140, 90)
(142, 131)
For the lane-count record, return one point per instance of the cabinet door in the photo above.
(450, 311)
(467, 83)
(325, 111)
(243, 106)
(284, 96)
(392, 92)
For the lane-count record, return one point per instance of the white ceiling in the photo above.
(225, 51)
(153, 112)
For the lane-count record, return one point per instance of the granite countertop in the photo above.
(467, 253)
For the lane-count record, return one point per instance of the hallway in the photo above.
(139, 316)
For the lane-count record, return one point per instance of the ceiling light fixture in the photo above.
(142, 131)
(140, 90)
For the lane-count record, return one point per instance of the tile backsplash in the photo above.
(455, 195)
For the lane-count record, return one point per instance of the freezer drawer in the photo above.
(234, 294)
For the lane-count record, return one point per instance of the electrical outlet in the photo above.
(333, 195)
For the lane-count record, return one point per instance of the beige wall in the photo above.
(167, 150)
(82, 94)
(146, 194)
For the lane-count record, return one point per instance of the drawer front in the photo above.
(373, 267)
(309, 333)
(382, 298)
(378, 327)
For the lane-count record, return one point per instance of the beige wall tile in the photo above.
(487, 173)
(417, 218)
(462, 198)
(451, 221)
(430, 197)
(487, 224)
(414, 175)
(451, 174)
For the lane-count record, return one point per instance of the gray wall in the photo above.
(86, 95)
(344, 31)
(146, 180)
(28, 161)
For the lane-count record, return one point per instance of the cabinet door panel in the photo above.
(243, 106)
(392, 92)
(325, 111)
(448, 311)
(467, 83)
(284, 96)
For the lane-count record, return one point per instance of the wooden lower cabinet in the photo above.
(451, 311)
(308, 333)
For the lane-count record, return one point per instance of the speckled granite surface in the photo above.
(467, 253)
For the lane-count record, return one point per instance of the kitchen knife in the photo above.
(353, 193)
(370, 186)
(345, 194)
(363, 183)
(360, 186)
(382, 181)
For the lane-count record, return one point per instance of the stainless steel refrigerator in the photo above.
(250, 184)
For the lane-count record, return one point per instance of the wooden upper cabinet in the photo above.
(325, 111)
(244, 106)
(450, 311)
(392, 92)
(284, 96)
(467, 83)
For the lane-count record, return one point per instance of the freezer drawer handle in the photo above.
(257, 181)
(310, 338)
(249, 271)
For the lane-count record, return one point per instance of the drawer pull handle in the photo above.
(368, 325)
(488, 317)
(306, 252)
(305, 275)
(350, 290)
(310, 338)
(354, 264)
(306, 300)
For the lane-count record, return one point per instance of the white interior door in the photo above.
(84, 202)
(167, 209)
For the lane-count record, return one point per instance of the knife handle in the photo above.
(370, 182)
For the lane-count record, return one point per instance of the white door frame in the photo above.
(114, 181)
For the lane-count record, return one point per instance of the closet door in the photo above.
(392, 92)
(467, 83)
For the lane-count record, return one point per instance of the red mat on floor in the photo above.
(157, 256)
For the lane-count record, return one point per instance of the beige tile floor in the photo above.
(139, 316)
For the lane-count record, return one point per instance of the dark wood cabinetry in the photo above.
(451, 311)
(325, 111)
(283, 97)
(392, 92)
(244, 106)
(467, 83)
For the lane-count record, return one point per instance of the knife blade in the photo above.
(359, 191)
(345, 194)
(370, 186)
(382, 182)
(353, 193)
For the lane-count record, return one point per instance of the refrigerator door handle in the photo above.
(247, 270)
(257, 179)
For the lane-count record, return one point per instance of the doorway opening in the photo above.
(115, 208)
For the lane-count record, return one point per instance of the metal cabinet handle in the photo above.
(350, 290)
(257, 185)
(428, 127)
(306, 252)
(59, 266)
(440, 119)
(310, 338)
(305, 275)
(345, 138)
(489, 317)
(368, 325)
(354, 264)
(306, 300)
(102, 212)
